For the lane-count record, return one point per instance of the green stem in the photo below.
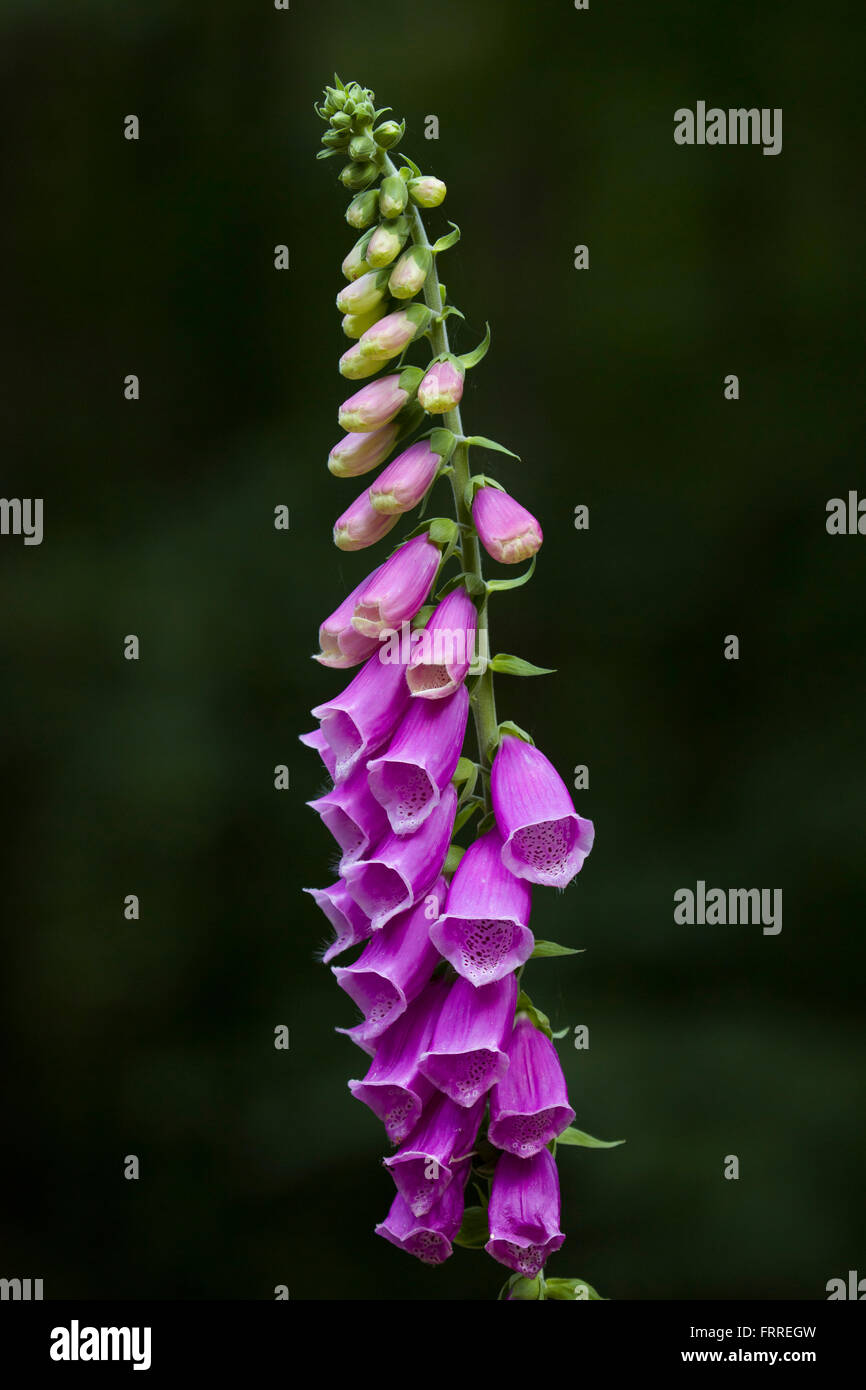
(483, 699)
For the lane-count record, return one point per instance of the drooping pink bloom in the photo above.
(374, 405)
(441, 389)
(354, 817)
(404, 867)
(350, 924)
(356, 364)
(364, 293)
(524, 1212)
(545, 840)
(529, 1106)
(442, 652)
(397, 589)
(394, 1087)
(358, 721)
(402, 485)
(467, 1052)
(425, 1163)
(355, 454)
(317, 741)
(428, 1237)
(393, 968)
(342, 645)
(409, 778)
(484, 930)
(361, 525)
(508, 532)
(394, 332)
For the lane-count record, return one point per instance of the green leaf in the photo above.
(576, 1137)
(471, 359)
(413, 167)
(539, 1019)
(495, 586)
(452, 859)
(442, 530)
(443, 443)
(509, 727)
(560, 1033)
(447, 311)
(568, 1290)
(326, 154)
(543, 949)
(464, 770)
(481, 443)
(423, 616)
(474, 1232)
(515, 666)
(463, 816)
(446, 242)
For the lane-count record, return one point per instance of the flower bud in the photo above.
(410, 272)
(395, 331)
(387, 241)
(355, 364)
(363, 210)
(427, 192)
(376, 404)
(363, 148)
(354, 325)
(398, 588)
(442, 387)
(357, 176)
(355, 265)
(508, 532)
(401, 485)
(393, 196)
(335, 139)
(359, 453)
(364, 293)
(360, 525)
(388, 134)
(340, 121)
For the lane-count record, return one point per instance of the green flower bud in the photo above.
(387, 241)
(393, 196)
(410, 272)
(427, 192)
(340, 121)
(355, 264)
(388, 134)
(356, 365)
(335, 139)
(364, 293)
(362, 147)
(363, 210)
(354, 325)
(357, 175)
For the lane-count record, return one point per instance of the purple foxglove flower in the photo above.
(529, 1106)
(442, 654)
(441, 389)
(349, 922)
(357, 722)
(546, 841)
(508, 532)
(355, 364)
(524, 1212)
(354, 816)
(394, 332)
(359, 453)
(425, 1163)
(364, 293)
(426, 191)
(361, 525)
(428, 1237)
(404, 867)
(410, 777)
(398, 588)
(341, 644)
(387, 241)
(466, 1054)
(484, 930)
(316, 740)
(410, 272)
(354, 325)
(402, 485)
(393, 968)
(394, 1088)
(374, 405)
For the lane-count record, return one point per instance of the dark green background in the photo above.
(707, 518)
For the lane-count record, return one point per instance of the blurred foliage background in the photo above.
(707, 518)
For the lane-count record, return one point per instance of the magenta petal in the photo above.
(393, 968)
(357, 722)
(423, 1166)
(466, 1055)
(316, 740)
(420, 760)
(354, 817)
(398, 589)
(428, 1237)
(442, 652)
(484, 930)
(349, 922)
(394, 1088)
(546, 841)
(341, 644)
(404, 867)
(524, 1212)
(529, 1106)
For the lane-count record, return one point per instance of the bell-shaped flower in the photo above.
(441, 389)
(508, 532)
(404, 867)
(409, 778)
(358, 721)
(342, 645)
(350, 924)
(484, 930)
(361, 525)
(429, 1237)
(354, 817)
(442, 651)
(359, 453)
(424, 1164)
(393, 968)
(402, 485)
(317, 741)
(524, 1212)
(529, 1106)
(545, 840)
(394, 1087)
(467, 1052)
(397, 589)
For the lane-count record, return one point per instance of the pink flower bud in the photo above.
(508, 532)
(341, 644)
(359, 453)
(364, 293)
(387, 241)
(442, 387)
(355, 264)
(410, 272)
(401, 485)
(398, 589)
(427, 192)
(353, 325)
(396, 331)
(374, 405)
(360, 525)
(355, 364)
